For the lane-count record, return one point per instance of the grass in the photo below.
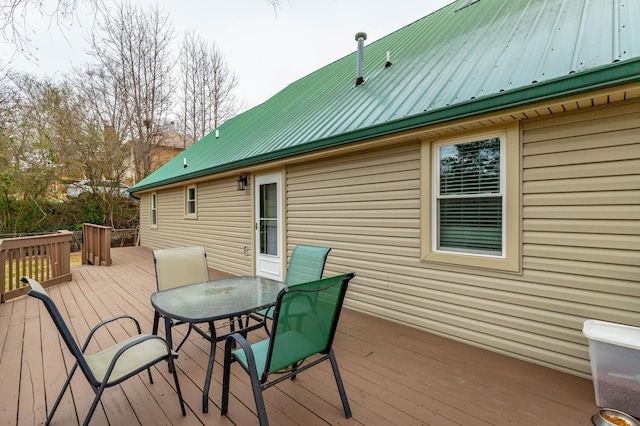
(76, 260)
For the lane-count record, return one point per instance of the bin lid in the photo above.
(612, 333)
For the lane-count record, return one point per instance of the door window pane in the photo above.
(268, 220)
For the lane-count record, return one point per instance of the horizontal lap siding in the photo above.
(581, 214)
(580, 240)
(366, 207)
(223, 225)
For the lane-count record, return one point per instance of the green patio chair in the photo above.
(304, 325)
(306, 264)
(110, 366)
(177, 267)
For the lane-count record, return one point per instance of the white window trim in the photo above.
(187, 214)
(152, 209)
(510, 260)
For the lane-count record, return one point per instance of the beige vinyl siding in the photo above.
(223, 226)
(581, 208)
(144, 220)
(366, 207)
(581, 218)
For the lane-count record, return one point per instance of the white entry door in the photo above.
(268, 226)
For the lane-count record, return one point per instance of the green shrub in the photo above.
(27, 217)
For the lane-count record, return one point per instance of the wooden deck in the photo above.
(393, 375)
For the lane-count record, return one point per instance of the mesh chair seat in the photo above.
(147, 351)
(260, 349)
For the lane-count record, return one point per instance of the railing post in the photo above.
(96, 244)
(3, 273)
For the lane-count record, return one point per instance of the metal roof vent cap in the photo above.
(360, 38)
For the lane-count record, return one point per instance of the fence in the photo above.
(46, 258)
(96, 244)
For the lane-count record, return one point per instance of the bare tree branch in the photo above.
(15, 14)
(207, 89)
(134, 49)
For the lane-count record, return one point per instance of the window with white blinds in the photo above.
(469, 197)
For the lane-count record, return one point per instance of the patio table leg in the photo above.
(167, 331)
(212, 357)
(156, 320)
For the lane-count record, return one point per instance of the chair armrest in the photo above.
(105, 322)
(244, 345)
(130, 345)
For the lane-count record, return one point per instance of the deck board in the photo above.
(393, 374)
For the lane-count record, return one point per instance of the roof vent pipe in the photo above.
(360, 38)
(389, 63)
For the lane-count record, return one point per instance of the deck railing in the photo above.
(46, 258)
(96, 244)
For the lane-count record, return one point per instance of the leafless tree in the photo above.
(14, 14)
(206, 87)
(133, 49)
(101, 154)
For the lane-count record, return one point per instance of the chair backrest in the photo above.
(39, 292)
(180, 266)
(305, 321)
(306, 264)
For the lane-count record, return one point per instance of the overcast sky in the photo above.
(267, 50)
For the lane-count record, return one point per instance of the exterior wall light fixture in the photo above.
(242, 182)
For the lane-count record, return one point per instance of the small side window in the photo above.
(190, 201)
(154, 209)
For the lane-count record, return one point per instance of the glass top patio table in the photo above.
(206, 302)
(218, 299)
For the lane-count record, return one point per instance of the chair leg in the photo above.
(62, 391)
(185, 337)
(257, 396)
(175, 378)
(343, 394)
(94, 404)
(255, 386)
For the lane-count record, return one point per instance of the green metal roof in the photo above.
(454, 63)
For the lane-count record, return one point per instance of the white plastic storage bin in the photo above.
(614, 350)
